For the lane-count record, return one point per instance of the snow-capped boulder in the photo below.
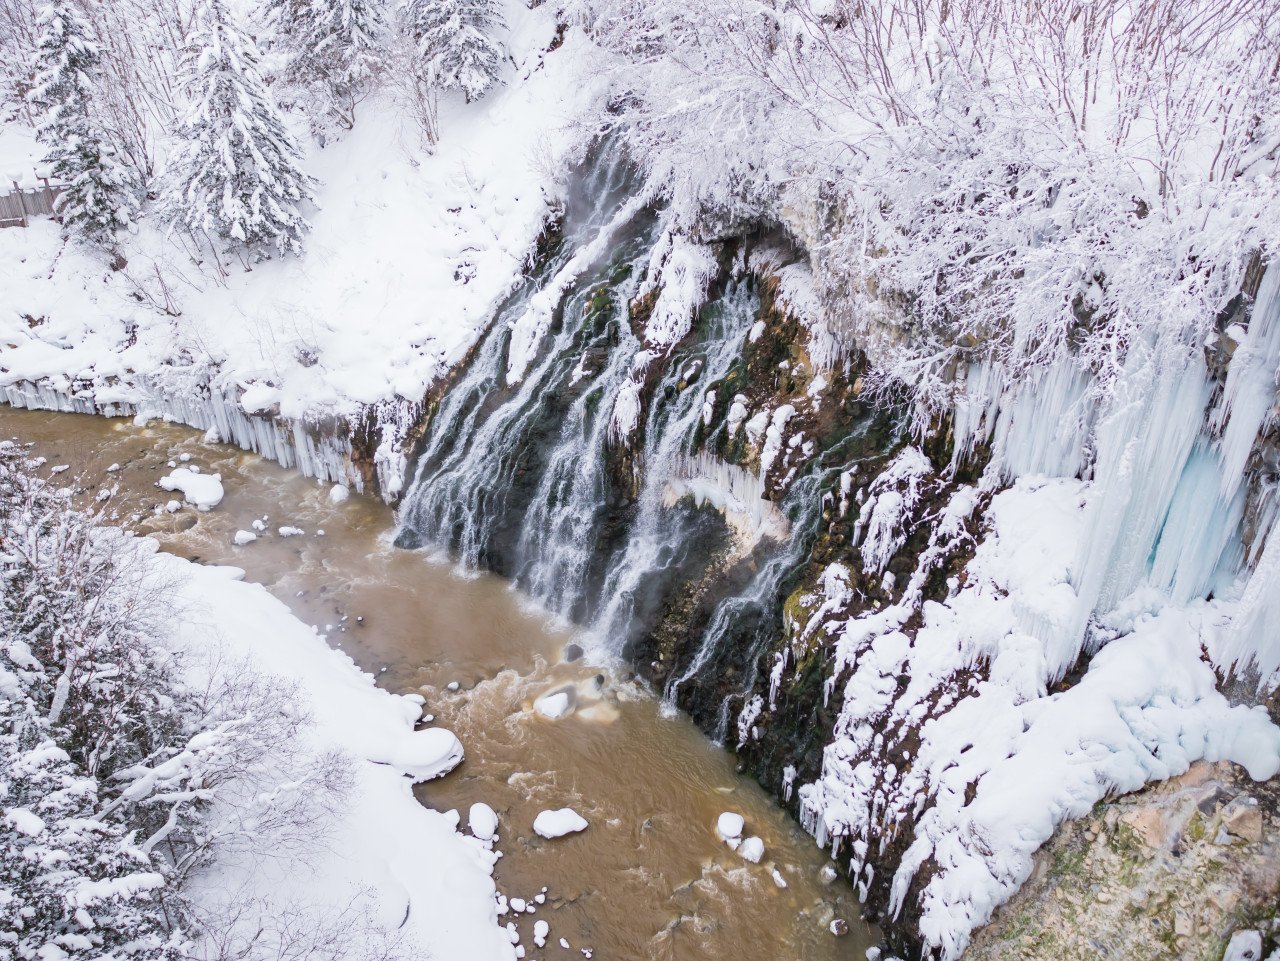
(203, 490)
(555, 824)
(553, 706)
(428, 754)
(729, 826)
(483, 821)
(752, 849)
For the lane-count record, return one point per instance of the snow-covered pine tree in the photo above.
(72, 878)
(336, 49)
(455, 38)
(236, 171)
(102, 192)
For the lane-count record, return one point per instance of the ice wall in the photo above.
(1167, 449)
(316, 450)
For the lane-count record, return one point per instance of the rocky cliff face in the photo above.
(1181, 870)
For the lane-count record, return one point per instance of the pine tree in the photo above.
(102, 192)
(336, 48)
(455, 38)
(236, 172)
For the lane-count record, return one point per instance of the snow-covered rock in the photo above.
(554, 705)
(483, 821)
(244, 537)
(428, 754)
(339, 493)
(1244, 946)
(555, 824)
(729, 826)
(203, 490)
(752, 849)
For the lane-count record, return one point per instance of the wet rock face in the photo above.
(1185, 869)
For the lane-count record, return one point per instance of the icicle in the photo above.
(314, 451)
(1255, 634)
(1250, 391)
(1143, 440)
(1197, 531)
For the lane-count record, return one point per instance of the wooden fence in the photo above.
(20, 204)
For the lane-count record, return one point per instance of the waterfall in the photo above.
(525, 469)
(744, 624)
(657, 540)
(489, 435)
(520, 477)
(576, 458)
(524, 472)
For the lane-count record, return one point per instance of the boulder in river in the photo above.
(427, 754)
(555, 824)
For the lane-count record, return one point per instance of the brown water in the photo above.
(648, 879)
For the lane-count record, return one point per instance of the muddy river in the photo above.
(649, 879)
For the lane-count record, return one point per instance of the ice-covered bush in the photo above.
(977, 180)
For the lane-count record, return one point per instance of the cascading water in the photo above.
(743, 624)
(652, 554)
(472, 485)
(524, 471)
(529, 479)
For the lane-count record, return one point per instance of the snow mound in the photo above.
(752, 849)
(203, 490)
(429, 754)
(555, 824)
(244, 537)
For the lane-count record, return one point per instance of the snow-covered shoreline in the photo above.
(415, 872)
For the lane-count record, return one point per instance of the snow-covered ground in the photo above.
(408, 255)
(404, 868)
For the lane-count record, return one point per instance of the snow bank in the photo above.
(555, 824)
(203, 490)
(419, 869)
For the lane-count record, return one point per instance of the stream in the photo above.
(649, 879)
